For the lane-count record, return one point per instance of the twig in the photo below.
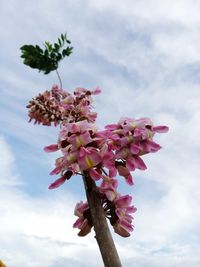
(59, 78)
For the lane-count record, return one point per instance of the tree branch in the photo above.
(102, 231)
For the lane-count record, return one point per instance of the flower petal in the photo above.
(139, 163)
(57, 170)
(58, 182)
(111, 194)
(160, 129)
(151, 146)
(85, 229)
(51, 148)
(123, 201)
(134, 149)
(94, 174)
(120, 230)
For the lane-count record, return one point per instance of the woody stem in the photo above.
(103, 236)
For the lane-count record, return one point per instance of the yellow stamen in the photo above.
(133, 124)
(89, 162)
(79, 141)
(71, 158)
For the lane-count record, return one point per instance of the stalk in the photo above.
(60, 81)
(103, 236)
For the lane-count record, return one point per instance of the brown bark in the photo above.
(102, 231)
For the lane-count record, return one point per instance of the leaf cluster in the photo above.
(48, 59)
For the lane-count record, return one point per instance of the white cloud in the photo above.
(153, 11)
(7, 170)
(38, 231)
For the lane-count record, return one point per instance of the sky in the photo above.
(145, 56)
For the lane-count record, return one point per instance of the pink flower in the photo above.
(46, 108)
(123, 171)
(84, 222)
(108, 160)
(80, 208)
(88, 158)
(78, 140)
(59, 166)
(108, 187)
(123, 226)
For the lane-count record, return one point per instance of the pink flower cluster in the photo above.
(57, 106)
(103, 155)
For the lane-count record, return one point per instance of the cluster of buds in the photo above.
(58, 107)
(45, 108)
(102, 155)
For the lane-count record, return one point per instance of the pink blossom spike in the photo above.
(118, 149)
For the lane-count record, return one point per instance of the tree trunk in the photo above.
(103, 235)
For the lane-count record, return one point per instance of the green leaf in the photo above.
(56, 47)
(59, 41)
(46, 60)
